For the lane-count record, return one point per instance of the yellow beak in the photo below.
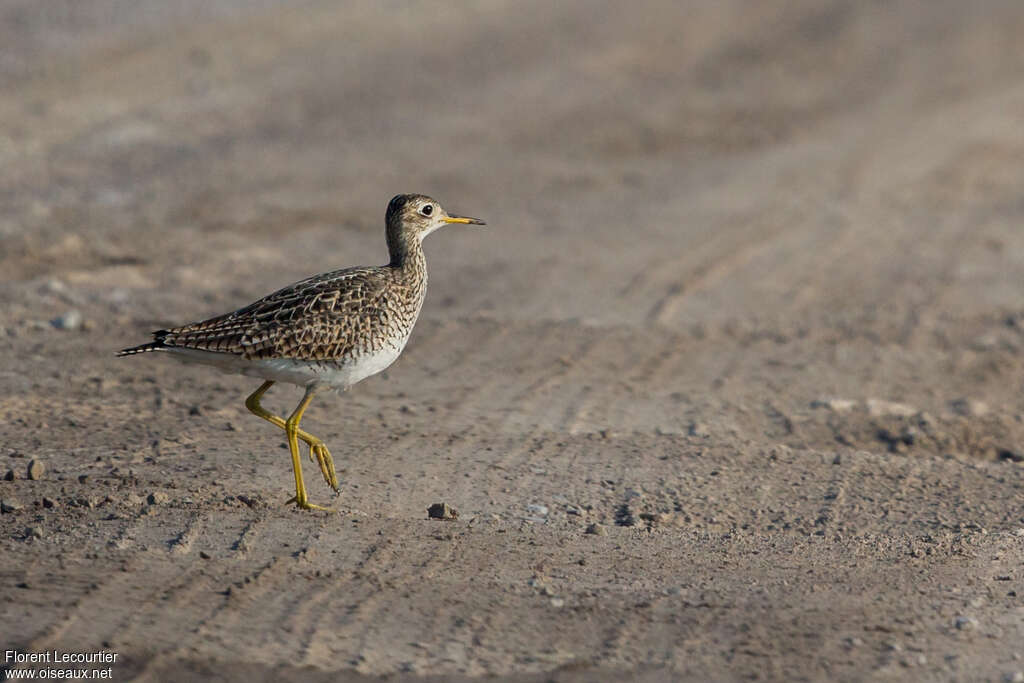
(462, 219)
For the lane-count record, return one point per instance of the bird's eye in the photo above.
(427, 210)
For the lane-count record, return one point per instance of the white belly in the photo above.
(337, 375)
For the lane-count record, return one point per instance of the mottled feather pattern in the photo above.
(335, 328)
(328, 331)
(330, 317)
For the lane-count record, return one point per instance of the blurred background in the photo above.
(721, 237)
(679, 163)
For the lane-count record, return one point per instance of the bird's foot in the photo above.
(319, 454)
(304, 504)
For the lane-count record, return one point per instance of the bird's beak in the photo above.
(463, 219)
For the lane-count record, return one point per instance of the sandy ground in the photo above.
(749, 309)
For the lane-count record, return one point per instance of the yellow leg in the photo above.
(318, 452)
(291, 428)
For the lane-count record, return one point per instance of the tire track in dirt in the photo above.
(343, 618)
(709, 269)
(250, 585)
(112, 611)
(830, 514)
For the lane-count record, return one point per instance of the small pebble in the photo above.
(969, 407)
(9, 505)
(71, 320)
(537, 509)
(1014, 677)
(49, 502)
(442, 511)
(34, 532)
(965, 623)
(248, 501)
(9, 475)
(597, 530)
(36, 469)
(699, 429)
(157, 498)
(879, 408)
(557, 602)
(836, 405)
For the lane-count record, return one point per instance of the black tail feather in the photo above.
(146, 348)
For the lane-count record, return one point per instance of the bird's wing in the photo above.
(320, 318)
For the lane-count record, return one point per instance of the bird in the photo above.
(326, 332)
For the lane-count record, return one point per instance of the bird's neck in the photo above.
(407, 255)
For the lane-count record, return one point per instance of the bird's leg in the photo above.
(291, 428)
(318, 452)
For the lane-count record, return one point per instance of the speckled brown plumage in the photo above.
(332, 316)
(330, 330)
(328, 317)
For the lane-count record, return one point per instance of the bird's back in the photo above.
(336, 316)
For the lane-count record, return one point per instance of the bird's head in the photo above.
(416, 216)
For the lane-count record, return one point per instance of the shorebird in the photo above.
(328, 331)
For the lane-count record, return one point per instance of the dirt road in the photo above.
(731, 387)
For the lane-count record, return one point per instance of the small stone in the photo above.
(537, 509)
(879, 408)
(157, 498)
(53, 286)
(836, 405)
(36, 469)
(34, 532)
(9, 475)
(248, 501)
(1014, 677)
(557, 602)
(71, 320)
(965, 623)
(699, 429)
(838, 460)
(597, 530)
(49, 503)
(9, 505)
(203, 554)
(131, 499)
(442, 511)
(1009, 454)
(969, 407)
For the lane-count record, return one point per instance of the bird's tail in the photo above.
(144, 348)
